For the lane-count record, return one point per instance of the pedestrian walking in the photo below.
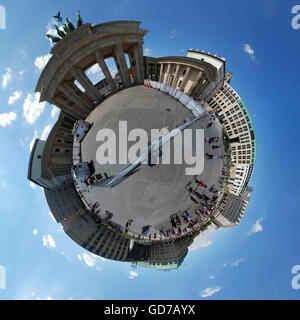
(211, 156)
(200, 183)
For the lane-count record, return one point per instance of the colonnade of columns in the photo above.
(170, 73)
(77, 103)
(152, 70)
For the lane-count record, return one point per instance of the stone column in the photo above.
(81, 77)
(71, 94)
(137, 62)
(185, 78)
(169, 77)
(161, 72)
(175, 80)
(147, 70)
(199, 75)
(63, 105)
(201, 85)
(156, 71)
(121, 64)
(102, 64)
(139, 59)
(167, 73)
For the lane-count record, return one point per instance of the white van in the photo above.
(81, 171)
(81, 127)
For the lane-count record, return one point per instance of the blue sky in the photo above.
(251, 261)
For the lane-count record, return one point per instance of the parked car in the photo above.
(81, 127)
(81, 171)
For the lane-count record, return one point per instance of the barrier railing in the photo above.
(186, 100)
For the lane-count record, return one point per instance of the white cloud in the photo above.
(94, 69)
(132, 274)
(6, 78)
(257, 227)
(51, 30)
(249, 51)
(32, 108)
(202, 240)
(79, 257)
(54, 111)
(89, 259)
(32, 185)
(3, 184)
(172, 34)
(51, 215)
(41, 61)
(208, 292)
(21, 72)
(113, 72)
(212, 277)
(48, 241)
(16, 96)
(35, 231)
(35, 135)
(237, 262)
(46, 132)
(7, 118)
(147, 51)
(79, 86)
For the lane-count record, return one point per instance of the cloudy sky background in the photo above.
(253, 260)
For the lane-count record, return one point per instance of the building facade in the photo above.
(232, 209)
(238, 124)
(78, 51)
(198, 75)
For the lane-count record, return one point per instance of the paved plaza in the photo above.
(152, 194)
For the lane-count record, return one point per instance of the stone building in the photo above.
(63, 201)
(232, 209)
(196, 75)
(51, 161)
(81, 49)
(107, 244)
(238, 125)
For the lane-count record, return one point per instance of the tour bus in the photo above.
(80, 128)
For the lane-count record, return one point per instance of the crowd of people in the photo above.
(183, 223)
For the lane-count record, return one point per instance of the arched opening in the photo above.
(112, 67)
(94, 73)
(79, 86)
(130, 66)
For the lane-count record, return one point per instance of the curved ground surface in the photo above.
(152, 194)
